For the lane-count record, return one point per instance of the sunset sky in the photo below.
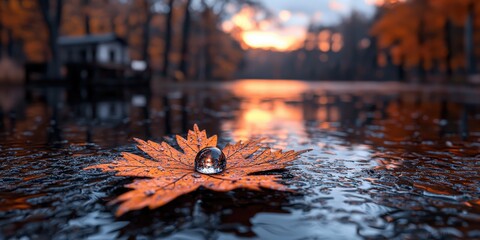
(292, 19)
(322, 11)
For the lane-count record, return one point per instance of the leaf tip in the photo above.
(304, 151)
(139, 141)
(90, 167)
(120, 211)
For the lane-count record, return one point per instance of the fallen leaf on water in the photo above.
(170, 173)
(473, 203)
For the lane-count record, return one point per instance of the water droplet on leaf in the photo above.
(149, 192)
(196, 175)
(210, 160)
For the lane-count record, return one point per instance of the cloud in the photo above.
(332, 10)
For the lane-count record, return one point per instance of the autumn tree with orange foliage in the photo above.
(428, 34)
(21, 24)
(34, 26)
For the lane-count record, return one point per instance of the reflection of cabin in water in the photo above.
(95, 57)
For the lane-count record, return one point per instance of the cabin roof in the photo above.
(90, 39)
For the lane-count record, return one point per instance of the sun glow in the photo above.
(258, 89)
(257, 33)
(268, 40)
(285, 15)
(336, 6)
(382, 2)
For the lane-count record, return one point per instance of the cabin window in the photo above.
(112, 55)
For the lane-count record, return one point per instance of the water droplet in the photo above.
(210, 160)
(196, 175)
(149, 192)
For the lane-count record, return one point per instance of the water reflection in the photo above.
(389, 160)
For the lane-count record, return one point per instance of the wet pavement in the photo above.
(389, 161)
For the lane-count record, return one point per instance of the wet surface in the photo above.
(388, 161)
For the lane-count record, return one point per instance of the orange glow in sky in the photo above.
(375, 2)
(244, 19)
(336, 6)
(286, 29)
(285, 15)
(382, 2)
(264, 34)
(269, 40)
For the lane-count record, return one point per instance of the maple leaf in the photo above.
(171, 173)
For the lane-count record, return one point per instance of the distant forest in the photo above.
(412, 40)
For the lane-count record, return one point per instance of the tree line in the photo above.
(409, 40)
(182, 39)
(430, 37)
(178, 39)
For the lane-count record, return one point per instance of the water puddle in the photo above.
(388, 161)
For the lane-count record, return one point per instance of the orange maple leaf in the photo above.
(170, 173)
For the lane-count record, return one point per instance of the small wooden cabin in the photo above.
(108, 49)
(93, 59)
(97, 58)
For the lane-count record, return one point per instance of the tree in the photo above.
(429, 34)
(52, 15)
(168, 39)
(146, 30)
(30, 30)
(220, 55)
(185, 39)
(17, 27)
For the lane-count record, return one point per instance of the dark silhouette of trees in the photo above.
(147, 5)
(168, 39)
(52, 15)
(185, 40)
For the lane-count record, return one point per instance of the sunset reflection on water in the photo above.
(267, 107)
